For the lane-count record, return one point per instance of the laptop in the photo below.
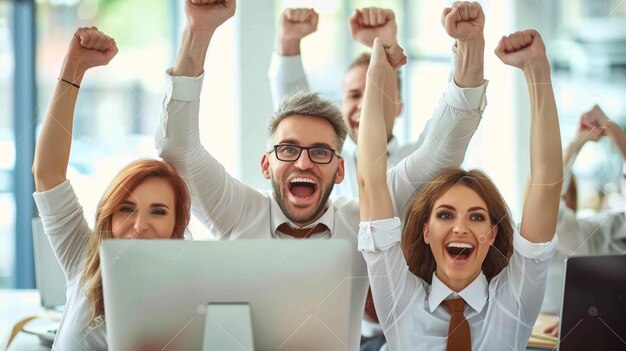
(593, 311)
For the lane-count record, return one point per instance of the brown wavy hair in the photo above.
(120, 188)
(418, 255)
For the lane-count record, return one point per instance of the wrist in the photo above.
(470, 58)
(72, 72)
(612, 128)
(579, 140)
(289, 46)
(471, 44)
(199, 28)
(537, 72)
(192, 53)
(537, 67)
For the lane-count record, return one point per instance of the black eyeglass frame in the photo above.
(307, 148)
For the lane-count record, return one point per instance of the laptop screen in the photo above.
(593, 314)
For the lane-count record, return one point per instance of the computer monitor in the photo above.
(49, 277)
(302, 294)
(593, 313)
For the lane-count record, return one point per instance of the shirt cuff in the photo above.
(539, 251)
(182, 88)
(55, 200)
(379, 235)
(467, 98)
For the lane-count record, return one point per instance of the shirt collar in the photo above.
(277, 217)
(475, 294)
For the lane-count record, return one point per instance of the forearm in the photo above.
(192, 53)
(615, 132)
(572, 150)
(52, 150)
(470, 61)
(289, 46)
(545, 154)
(546, 160)
(372, 154)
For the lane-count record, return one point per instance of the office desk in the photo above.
(16, 305)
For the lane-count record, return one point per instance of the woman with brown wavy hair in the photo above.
(464, 278)
(146, 200)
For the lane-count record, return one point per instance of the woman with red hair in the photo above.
(146, 200)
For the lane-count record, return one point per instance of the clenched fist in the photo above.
(297, 23)
(90, 48)
(464, 21)
(207, 15)
(369, 23)
(522, 49)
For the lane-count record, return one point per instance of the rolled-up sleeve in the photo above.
(539, 251)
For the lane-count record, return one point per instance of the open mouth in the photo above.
(302, 187)
(459, 251)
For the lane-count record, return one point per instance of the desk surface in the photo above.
(16, 305)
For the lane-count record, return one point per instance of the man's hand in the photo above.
(369, 23)
(207, 15)
(522, 49)
(89, 48)
(295, 24)
(464, 21)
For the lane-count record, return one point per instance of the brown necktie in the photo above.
(301, 233)
(459, 337)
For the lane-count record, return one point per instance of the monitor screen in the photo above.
(593, 314)
(302, 294)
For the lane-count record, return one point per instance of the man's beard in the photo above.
(278, 195)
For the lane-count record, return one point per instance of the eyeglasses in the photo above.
(317, 154)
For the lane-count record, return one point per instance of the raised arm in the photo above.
(295, 24)
(457, 115)
(88, 48)
(587, 131)
(286, 72)
(203, 18)
(465, 22)
(374, 197)
(526, 51)
(367, 24)
(598, 121)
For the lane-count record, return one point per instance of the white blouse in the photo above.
(501, 313)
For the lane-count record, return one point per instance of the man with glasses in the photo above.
(303, 155)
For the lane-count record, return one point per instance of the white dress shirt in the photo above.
(501, 313)
(232, 210)
(66, 227)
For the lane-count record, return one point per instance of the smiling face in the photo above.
(352, 102)
(302, 187)
(459, 232)
(148, 212)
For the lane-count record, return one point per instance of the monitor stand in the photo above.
(228, 326)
